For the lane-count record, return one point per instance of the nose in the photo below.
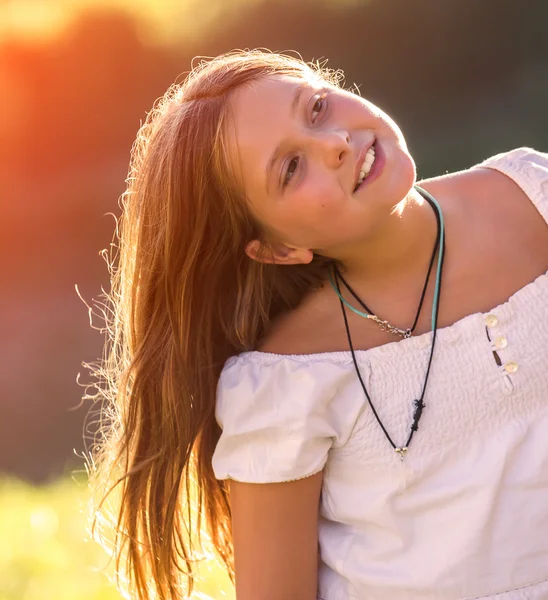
(332, 146)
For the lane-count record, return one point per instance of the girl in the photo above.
(344, 372)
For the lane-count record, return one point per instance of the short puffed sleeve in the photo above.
(280, 416)
(529, 169)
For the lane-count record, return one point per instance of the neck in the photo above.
(400, 251)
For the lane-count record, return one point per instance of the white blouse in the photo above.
(465, 515)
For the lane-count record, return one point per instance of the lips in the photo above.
(359, 163)
(377, 167)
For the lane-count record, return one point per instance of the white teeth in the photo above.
(367, 164)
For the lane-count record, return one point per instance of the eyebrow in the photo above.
(294, 104)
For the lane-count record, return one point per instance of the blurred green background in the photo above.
(464, 79)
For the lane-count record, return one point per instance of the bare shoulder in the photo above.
(473, 183)
(311, 328)
(490, 196)
(480, 185)
(498, 222)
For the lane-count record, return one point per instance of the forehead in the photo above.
(260, 112)
(247, 98)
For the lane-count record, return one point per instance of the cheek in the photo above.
(311, 212)
(319, 197)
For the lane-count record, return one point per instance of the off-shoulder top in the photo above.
(465, 515)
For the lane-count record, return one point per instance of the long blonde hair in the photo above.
(184, 297)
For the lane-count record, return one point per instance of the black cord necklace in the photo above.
(384, 324)
(418, 403)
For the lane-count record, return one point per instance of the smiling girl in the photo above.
(345, 372)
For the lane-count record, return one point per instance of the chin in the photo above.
(400, 173)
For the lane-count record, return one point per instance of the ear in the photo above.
(279, 254)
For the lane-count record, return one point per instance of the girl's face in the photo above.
(298, 146)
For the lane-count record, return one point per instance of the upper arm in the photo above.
(275, 533)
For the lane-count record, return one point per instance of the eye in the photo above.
(290, 172)
(317, 108)
(318, 105)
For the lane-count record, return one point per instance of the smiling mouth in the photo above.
(365, 169)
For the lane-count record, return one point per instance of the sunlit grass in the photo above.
(44, 552)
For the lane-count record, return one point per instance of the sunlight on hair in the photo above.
(178, 308)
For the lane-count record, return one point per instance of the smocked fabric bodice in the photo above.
(465, 514)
